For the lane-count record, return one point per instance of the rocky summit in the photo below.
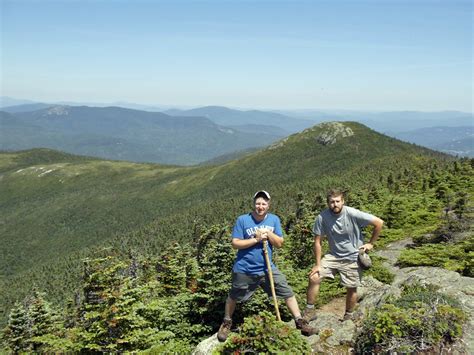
(331, 131)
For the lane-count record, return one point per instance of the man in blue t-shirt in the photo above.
(342, 225)
(249, 271)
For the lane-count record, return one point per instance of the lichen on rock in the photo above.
(331, 131)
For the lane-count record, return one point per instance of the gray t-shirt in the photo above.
(343, 231)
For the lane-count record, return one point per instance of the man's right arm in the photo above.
(238, 243)
(238, 240)
(317, 254)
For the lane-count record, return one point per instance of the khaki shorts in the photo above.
(350, 271)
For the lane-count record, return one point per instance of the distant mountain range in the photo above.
(9, 103)
(392, 122)
(232, 130)
(26, 107)
(452, 140)
(229, 117)
(396, 122)
(6, 101)
(125, 134)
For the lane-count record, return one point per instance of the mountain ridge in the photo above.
(268, 124)
(232, 117)
(125, 134)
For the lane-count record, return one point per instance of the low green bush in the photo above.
(263, 334)
(419, 321)
(451, 256)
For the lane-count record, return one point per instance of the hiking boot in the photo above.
(348, 316)
(306, 329)
(224, 330)
(309, 314)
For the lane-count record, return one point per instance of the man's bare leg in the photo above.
(293, 307)
(229, 307)
(351, 299)
(313, 289)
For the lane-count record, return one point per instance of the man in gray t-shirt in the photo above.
(342, 226)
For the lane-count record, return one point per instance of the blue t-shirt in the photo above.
(343, 231)
(252, 260)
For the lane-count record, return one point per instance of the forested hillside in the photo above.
(57, 210)
(125, 134)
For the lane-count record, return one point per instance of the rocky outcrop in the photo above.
(332, 131)
(206, 346)
(324, 133)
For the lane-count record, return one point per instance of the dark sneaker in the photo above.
(310, 314)
(348, 316)
(224, 329)
(306, 329)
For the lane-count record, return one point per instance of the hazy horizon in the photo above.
(144, 106)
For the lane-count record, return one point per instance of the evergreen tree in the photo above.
(424, 186)
(171, 270)
(17, 332)
(456, 166)
(197, 228)
(461, 204)
(215, 260)
(301, 209)
(113, 317)
(355, 199)
(390, 180)
(299, 243)
(373, 195)
(319, 204)
(433, 180)
(33, 326)
(442, 192)
(41, 319)
(393, 214)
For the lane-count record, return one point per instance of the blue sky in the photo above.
(361, 55)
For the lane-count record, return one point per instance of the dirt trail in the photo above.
(336, 306)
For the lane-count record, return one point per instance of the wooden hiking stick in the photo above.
(270, 277)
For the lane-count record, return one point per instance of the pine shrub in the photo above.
(419, 321)
(451, 256)
(16, 333)
(263, 334)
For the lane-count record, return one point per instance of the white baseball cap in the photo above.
(262, 193)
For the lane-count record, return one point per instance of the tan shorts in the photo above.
(350, 272)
